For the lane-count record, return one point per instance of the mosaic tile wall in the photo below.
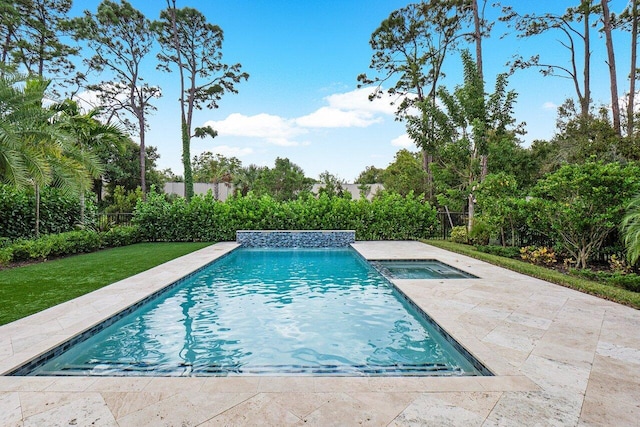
(295, 239)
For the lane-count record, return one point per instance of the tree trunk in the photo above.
(586, 101)
(143, 163)
(471, 213)
(484, 163)
(186, 135)
(186, 161)
(615, 104)
(632, 74)
(477, 35)
(37, 195)
(427, 159)
(82, 207)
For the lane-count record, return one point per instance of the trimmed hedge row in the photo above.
(58, 212)
(387, 217)
(72, 242)
(630, 281)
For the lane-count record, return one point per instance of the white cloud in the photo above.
(87, 100)
(549, 106)
(403, 141)
(328, 117)
(349, 109)
(344, 110)
(358, 100)
(261, 125)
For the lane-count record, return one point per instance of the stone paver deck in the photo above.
(560, 358)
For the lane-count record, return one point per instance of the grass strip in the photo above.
(32, 288)
(612, 293)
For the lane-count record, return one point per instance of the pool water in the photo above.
(270, 312)
(420, 269)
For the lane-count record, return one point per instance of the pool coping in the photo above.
(25, 339)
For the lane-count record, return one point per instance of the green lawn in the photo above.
(612, 293)
(32, 288)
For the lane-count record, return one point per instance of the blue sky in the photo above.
(301, 100)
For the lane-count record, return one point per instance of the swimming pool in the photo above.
(270, 312)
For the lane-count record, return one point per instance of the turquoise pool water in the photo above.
(270, 312)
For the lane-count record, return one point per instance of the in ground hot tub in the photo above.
(419, 269)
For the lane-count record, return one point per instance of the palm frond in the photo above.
(630, 228)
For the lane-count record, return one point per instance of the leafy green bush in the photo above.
(58, 212)
(480, 233)
(579, 205)
(459, 234)
(630, 281)
(120, 236)
(72, 242)
(503, 251)
(6, 255)
(389, 216)
(123, 200)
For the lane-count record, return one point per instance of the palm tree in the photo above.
(631, 230)
(22, 128)
(37, 147)
(89, 138)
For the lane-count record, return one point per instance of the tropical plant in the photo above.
(22, 126)
(630, 229)
(215, 169)
(35, 149)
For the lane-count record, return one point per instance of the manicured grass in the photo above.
(32, 288)
(612, 293)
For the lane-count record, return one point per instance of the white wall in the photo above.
(224, 190)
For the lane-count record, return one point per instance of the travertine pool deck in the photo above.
(560, 358)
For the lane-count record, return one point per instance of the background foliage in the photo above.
(389, 216)
(58, 212)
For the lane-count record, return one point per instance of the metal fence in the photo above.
(448, 220)
(108, 220)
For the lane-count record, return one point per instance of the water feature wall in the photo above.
(295, 238)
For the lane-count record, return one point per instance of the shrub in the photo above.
(579, 205)
(480, 233)
(459, 234)
(56, 245)
(630, 282)
(6, 255)
(389, 216)
(58, 212)
(619, 265)
(538, 255)
(120, 236)
(503, 251)
(72, 242)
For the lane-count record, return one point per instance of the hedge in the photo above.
(59, 213)
(68, 243)
(387, 217)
